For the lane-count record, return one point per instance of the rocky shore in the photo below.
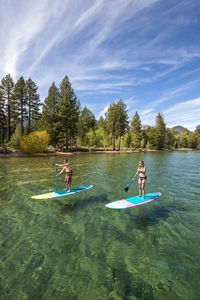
(10, 154)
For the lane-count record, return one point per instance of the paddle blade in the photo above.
(126, 189)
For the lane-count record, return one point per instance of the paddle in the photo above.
(127, 188)
(56, 179)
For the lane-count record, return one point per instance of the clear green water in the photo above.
(76, 248)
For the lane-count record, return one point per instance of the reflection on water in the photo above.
(76, 248)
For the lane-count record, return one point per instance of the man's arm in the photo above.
(61, 172)
(57, 165)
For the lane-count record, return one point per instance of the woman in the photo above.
(141, 172)
(68, 178)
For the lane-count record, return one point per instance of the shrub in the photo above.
(15, 138)
(35, 142)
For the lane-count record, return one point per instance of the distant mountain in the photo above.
(145, 127)
(179, 128)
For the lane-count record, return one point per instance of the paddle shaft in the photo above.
(56, 179)
(127, 188)
(133, 179)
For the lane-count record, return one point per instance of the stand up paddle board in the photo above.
(63, 193)
(133, 201)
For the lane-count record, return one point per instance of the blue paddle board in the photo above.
(63, 193)
(133, 201)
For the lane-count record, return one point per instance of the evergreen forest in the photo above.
(60, 123)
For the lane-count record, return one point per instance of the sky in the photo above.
(145, 52)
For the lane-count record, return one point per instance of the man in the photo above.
(68, 178)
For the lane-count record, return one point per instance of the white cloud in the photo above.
(105, 109)
(52, 21)
(184, 107)
(88, 16)
(105, 47)
(24, 20)
(146, 112)
(184, 113)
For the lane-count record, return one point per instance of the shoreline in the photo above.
(18, 154)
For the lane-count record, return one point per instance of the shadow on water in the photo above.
(82, 204)
(154, 216)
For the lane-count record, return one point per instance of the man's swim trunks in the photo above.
(68, 177)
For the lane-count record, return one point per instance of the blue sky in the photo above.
(146, 52)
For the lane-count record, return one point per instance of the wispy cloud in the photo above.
(124, 49)
(88, 16)
(25, 20)
(146, 112)
(184, 113)
(167, 96)
(183, 107)
(44, 25)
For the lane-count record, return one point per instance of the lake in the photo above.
(76, 248)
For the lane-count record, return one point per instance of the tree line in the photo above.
(19, 105)
(69, 126)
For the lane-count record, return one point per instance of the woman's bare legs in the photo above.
(143, 189)
(140, 187)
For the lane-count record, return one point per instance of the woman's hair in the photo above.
(142, 162)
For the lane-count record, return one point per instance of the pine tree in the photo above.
(2, 118)
(169, 138)
(197, 133)
(101, 122)
(49, 119)
(6, 88)
(160, 131)
(144, 139)
(74, 119)
(69, 110)
(86, 122)
(152, 138)
(122, 121)
(136, 131)
(197, 130)
(111, 121)
(193, 140)
(184, 138)
(103, 131)
(20, 103)
(117, 120)
(33, 103)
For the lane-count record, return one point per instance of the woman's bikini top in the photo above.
(143, 172)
